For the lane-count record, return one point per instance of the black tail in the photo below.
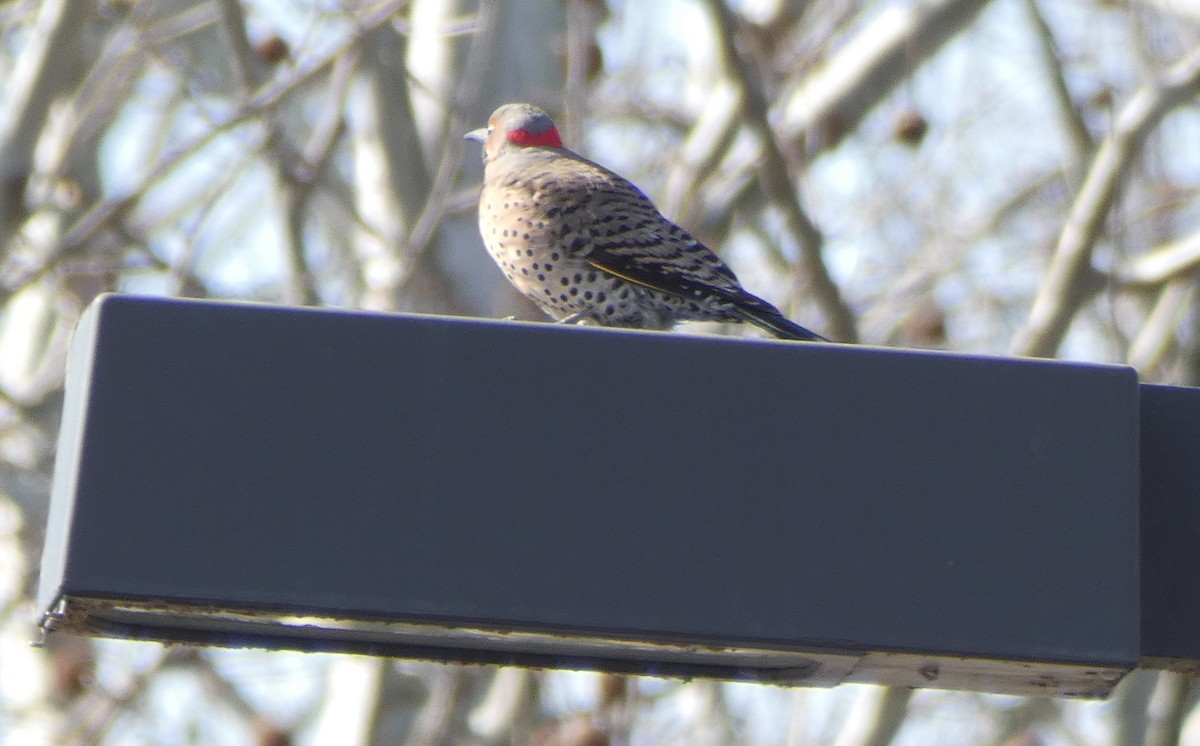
(757, 311)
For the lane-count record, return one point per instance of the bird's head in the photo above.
(515, 126)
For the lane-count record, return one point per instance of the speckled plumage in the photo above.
(588, 246)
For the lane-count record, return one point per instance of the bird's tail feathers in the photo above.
(767, 317)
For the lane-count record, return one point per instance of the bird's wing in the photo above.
(625, 235)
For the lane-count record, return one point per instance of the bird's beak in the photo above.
(478, 135)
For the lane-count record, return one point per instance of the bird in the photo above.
(589, 247)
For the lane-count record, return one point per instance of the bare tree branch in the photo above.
(706, 143)
(1079, 140)
(831, 102)
(394, 180)
(420, 242)
(249, 69)
(1068, 281)
(41, 75)
(1130, 700)
(1170, 706)
(938, 232)
(1175, 260)
(111, 211)
(250, 72)
(1017, 722)
(306, 174)
(582, 18)
(876, 717)
(506, 707)
(1157, 335)
(433, 723)
(778, 182)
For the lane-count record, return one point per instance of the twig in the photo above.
(1129, 703)
(582, 18)
(96, 714)
(1179, 259)
(835, 99)
(708, 140)
(1068, 281)
(1079, 139)
(1157, 334)
(289, 165)
(420, 239)
(1176, 697)
(268, 98)
(1019, 720)
(876, 717)
(506, 705)
(433, 724)
(777, 181)
(249, 69)
(42, 72)
(305, 174)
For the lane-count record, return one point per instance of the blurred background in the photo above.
(1006, 177)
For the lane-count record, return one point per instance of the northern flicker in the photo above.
(588, 246)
